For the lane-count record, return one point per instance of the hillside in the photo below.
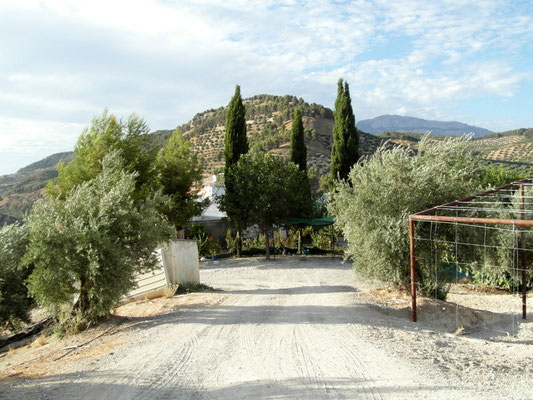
(20, 190)
(513, 147)
(269, 120)
(400, 123)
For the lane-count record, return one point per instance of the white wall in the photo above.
(178, 263)
(180, 258)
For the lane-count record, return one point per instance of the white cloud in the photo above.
(43, 136)
(166, 60)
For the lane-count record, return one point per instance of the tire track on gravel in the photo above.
(286, 329)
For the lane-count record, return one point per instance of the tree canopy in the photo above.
(14, 297)
(373, 206)
(235, 140)
(271, 189)
(180, 176)
(345, 147)
(235, 145)
(298, 149)
(105, 134)
(89, 246)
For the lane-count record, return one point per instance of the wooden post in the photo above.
(413, 269)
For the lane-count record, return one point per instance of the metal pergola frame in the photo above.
(430, 216)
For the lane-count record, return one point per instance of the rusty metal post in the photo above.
(413, 268)
(523, 261)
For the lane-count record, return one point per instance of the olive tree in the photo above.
(87, 248)
(14, 299)
(373, 206)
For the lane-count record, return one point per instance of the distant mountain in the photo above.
(398, 123)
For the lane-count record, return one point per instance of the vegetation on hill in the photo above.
(268, 125)
(269, 121)
(511, 149)
(515, 145)
(414, 137)
(47, 162)
(20, 190)
(525, 132)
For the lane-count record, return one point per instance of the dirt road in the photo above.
(290, 328)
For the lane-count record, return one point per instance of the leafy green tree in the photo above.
(14, 299)
(106, 134)
(235, 144)
(87, 248)
(373, 206)
(345, 147)
(298, 149)
(180, 176)
(271, 187)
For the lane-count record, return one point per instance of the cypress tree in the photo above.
(235, 141)
(344, 151)
(299, 157)
(235, 144)
(298, 149)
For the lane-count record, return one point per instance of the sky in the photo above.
(63, 62)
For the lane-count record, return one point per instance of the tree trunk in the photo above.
(83, 303)
(300, 240)
(180, 233)
(267, 245)
(238, 244)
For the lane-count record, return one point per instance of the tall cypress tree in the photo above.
(299, 157)
(235, 144)
(235, 141)
(345, 148)
(298, 149)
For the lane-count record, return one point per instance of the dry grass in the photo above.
(40, 341)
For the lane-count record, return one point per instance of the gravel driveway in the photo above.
(287, 328)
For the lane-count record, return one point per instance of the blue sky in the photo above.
(62, 62)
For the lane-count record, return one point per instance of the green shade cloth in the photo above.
(309, 221)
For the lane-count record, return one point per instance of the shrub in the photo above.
(207, 246)
(324, 238)
(372, 208)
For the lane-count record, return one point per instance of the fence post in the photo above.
(523, 262)
(413, 268)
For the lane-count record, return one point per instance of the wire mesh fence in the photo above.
(483, 241)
